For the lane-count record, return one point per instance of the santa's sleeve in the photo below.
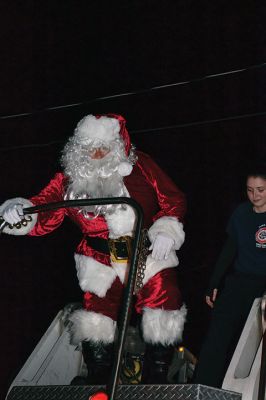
(48, 221)
(171, 200)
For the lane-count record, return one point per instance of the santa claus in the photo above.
(99, 161)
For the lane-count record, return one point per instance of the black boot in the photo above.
(157, 360)
(98, 359)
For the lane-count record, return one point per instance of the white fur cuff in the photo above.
(24, 230)
(164, 327)
(88, 325)
(170, 226)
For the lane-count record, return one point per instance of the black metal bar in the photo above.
(124, 315)
(83, 203)
(262, 381)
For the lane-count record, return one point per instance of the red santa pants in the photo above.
(161, 291)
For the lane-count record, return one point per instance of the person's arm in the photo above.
(224, 261)
(50, 220)
(166, 233)
(171, 199)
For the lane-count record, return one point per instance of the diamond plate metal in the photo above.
(208, 393)
(125, 392)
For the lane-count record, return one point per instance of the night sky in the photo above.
(189, 77)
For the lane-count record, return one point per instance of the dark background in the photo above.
(189, 77)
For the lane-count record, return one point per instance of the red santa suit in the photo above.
(159, 300)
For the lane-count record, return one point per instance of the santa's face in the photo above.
(98, 149)
(93, 170)
(98, 153)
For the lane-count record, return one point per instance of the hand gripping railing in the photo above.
(125, 312)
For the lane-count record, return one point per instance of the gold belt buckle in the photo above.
(116, 250)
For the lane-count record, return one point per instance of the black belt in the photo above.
(119, 249)
(98, 244)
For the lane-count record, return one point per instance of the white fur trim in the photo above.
(155, 266)
(24, 230)
(121, 222)
(103, 128)
(88, 325)
(164, 327)
(125, 168)
(152, 267)
(121, 270)
(171, 226)
(93, 276)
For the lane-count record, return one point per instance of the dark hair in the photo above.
(257, 169)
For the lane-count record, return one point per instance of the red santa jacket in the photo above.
(147, 184)
(163, 205)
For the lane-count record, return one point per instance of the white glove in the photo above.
(161, 246)
(13, 213)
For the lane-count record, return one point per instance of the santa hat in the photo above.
(102, 128)
(106, 127)
(123, 130)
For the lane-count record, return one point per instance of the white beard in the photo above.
(94, 178)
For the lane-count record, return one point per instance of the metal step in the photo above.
(125, 392)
